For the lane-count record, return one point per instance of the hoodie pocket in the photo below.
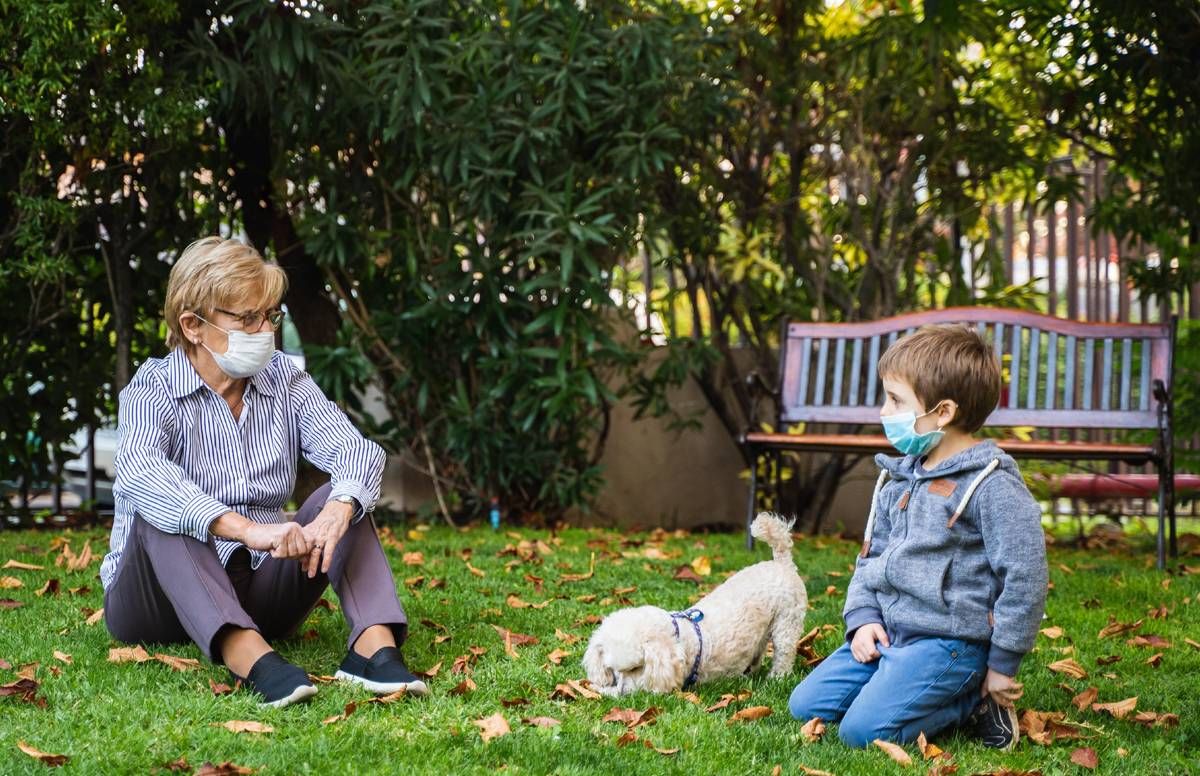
(922, 576)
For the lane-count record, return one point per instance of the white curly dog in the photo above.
(724, 634)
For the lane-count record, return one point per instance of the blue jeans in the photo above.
(928, 685)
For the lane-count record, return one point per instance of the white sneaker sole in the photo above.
(301, 693)
(417, 688)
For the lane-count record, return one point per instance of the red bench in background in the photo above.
(1061, 377)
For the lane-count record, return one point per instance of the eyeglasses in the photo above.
(254, 321)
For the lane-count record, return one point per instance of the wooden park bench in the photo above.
(1061, 376)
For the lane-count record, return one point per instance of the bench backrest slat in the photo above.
(1126, 371)
(1089, 348)
(855, 372)
(873, 372)
(839, 360)
(1014, 368)
(1144, 387)
(1051, 371)
(1055, 376)
(1106, 375)
(822, 358)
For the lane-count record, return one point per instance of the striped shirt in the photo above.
(183, 460)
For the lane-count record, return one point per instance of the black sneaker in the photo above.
(278, 682)
(384, 673)
(994, 725)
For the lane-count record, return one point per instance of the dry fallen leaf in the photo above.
(1154, 660)
(580, 577)
(729, 698)
(492, 727)
(1085, 757)
(541, 721)
(565, 637)
(413, 558)
(893, 751)
(1085, 698)
(626, 738)
(223, 769)
(632, 718)
(1115, 628)
(1053, 632)
(25, 688)
(690, 697)
(50, 588)
(28, 671)
(1151, 718)
(1068, 667)
(9, 603)
(556, 656)
(813, 771)
(180, 765)
(62, 656)
(244, 726)
(219, 688)
(812, 730)
(751, 713)
(687, 574)
(1045, 727)
(16, 564)
(573, 690)
(95, 616)
(346, 712)
(1119, 709)
(128, 655)
(463, 687)
(10, 583)
(1149, 640)
(391, 697)
(53, 760)
(177, 663)
(928, 751)
(702, 566)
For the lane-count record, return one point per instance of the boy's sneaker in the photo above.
(278, 682)
(382, 674)
(994, 725)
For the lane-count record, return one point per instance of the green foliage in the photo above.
(473, 234)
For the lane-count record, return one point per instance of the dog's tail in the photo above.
(776, 532)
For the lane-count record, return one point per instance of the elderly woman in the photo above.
(207, 459)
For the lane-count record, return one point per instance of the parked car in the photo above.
(75, 469)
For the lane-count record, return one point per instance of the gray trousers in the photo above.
(172, 588)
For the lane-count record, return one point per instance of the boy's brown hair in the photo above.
(948, 362)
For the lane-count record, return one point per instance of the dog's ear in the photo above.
(593, 665)
(663, 669)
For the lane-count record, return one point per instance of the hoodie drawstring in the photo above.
(962, 505)
(866, 545)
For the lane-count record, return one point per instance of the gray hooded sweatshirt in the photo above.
(955, 552)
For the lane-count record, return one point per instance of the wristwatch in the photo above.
(343, 499)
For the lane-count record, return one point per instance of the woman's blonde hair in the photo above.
(214, 272)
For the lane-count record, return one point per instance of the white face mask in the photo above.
(246, 355)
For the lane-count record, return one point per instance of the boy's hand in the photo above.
(862, 646)
(1002, 688)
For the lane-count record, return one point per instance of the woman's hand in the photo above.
(1002, 688)
(282, 540)
(323, 534)
(862, 646)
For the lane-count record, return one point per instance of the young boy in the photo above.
(950, 586)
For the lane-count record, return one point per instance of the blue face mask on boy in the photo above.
(901, 430)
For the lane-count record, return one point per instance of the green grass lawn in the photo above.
(135, 718)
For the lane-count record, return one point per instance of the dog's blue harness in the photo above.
(694, 616)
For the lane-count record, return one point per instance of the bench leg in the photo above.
(1173, 545)
(1164, 474)
(753, 496)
